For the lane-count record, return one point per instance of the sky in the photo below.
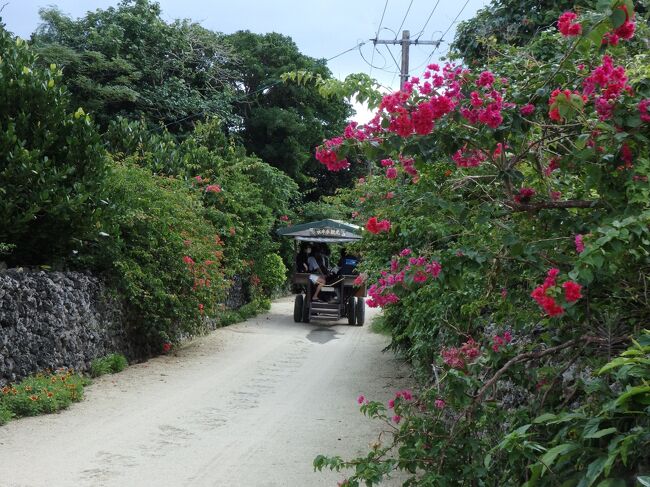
(320, 28)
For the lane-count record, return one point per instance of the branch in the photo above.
(513, 205)
(524, 357)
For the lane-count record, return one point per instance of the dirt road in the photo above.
(248, 405)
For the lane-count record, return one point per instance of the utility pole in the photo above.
(406, 42)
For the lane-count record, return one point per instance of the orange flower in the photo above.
(34, 398)
(50, 394)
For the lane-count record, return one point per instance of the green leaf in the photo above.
(544, 418)
(594, 470)
(633, 391)
(617, 18)
(612, 483)
(550, 456)
(601, 433)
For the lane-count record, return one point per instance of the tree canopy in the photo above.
(128, 61)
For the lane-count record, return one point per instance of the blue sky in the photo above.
(321, 29)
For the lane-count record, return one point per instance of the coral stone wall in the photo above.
(56, 319)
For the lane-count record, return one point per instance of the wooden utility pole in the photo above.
(406, 42)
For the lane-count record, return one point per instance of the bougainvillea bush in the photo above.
(508, 245)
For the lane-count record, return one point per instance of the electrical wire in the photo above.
(381, 21)
(447, 31)
(347, 50)
(427, 22)
(404, 19)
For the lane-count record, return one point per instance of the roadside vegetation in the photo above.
(508, 243)
(42, 393)
(158, 177)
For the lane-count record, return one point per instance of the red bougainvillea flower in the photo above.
(485, 79)
(567, 26)
(284, 218)
(524, 195)
(327, 154)
(375, 226)
(166, 347)
(527, 109)
(468, 158)
(571, 291)
(546, 302)
(558, 96)
(643, 110)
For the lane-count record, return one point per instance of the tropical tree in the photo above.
(127, 61)
(282, 123)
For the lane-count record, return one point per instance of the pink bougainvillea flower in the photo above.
(390, 195)
(391, 173)
(405, 252)
(485, 79)
(327, 154)
(439, 403)
(360, 399)
(643, 109)
(387, 162)
(567, 26)
(397, 418)
(213, 188)
(527, 109)
(580, 246)
(188, 260)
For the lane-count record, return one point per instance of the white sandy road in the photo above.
(248, 405)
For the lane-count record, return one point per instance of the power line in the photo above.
(373, 66)
(455, 19)
(404, 19)
(347, 50)
(447, 31)
(428, 19)
(381, 21)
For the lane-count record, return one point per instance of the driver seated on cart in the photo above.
(316, 273)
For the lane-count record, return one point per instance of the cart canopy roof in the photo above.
(329, 231)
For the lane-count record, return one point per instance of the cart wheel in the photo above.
(297, 308)
(306, 309)
(360, 310)
(351, 311)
